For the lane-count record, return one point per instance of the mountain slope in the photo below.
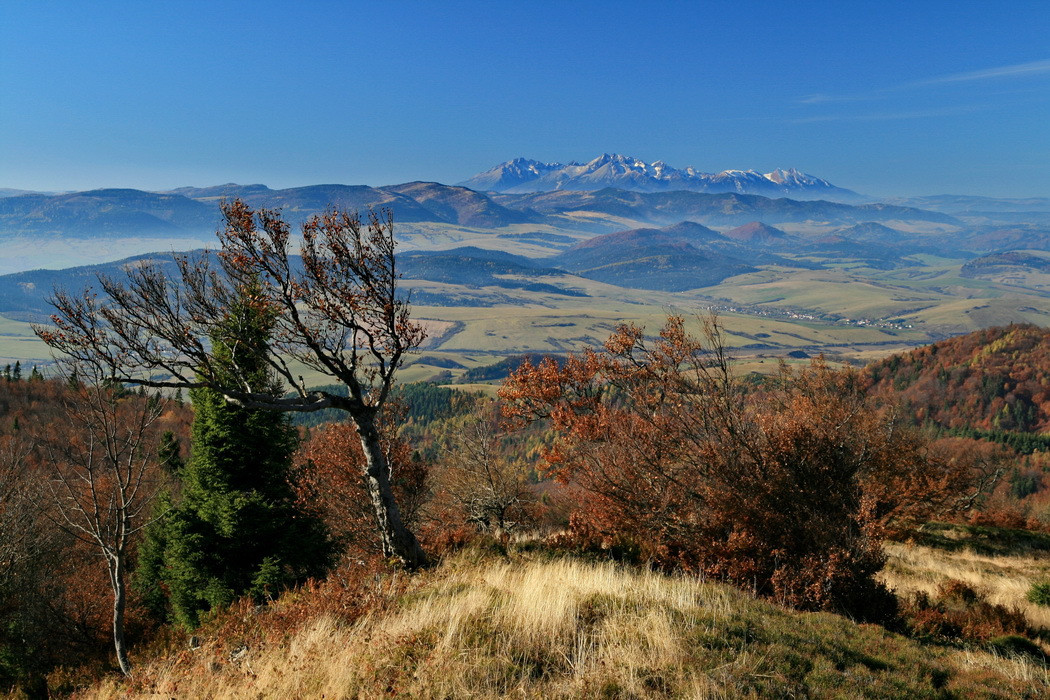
(105, 213)
(24, 295)
(871, 232)
(230, 190)
(992, 379)
(756, 232)
(299, 203)
(728, 209)
(473, 270)
(410, 201)
(624, 172)
(670, 259)
(459, 205)
(1015, 261)
(482, 626)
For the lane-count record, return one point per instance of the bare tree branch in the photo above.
(334, 309)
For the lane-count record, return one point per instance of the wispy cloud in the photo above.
(822, 99)
(889, 116)
(1017, 70)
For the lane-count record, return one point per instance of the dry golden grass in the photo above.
(1001, 579)
(486, 627)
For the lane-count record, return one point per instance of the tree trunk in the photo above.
(398, 540)
(116, 580)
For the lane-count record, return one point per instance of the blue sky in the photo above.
(886, 98)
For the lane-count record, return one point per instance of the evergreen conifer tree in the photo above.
(170, 454)
(236, 529)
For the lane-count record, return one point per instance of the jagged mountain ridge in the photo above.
(522, 175)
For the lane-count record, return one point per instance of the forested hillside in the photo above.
(997, 379)
(56, 600)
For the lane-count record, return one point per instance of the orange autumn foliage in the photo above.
(56, 607)
(991, 379)
(330, 479)
(789, 492)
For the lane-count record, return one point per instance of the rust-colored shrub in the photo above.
(1001, 516)
(329, 476)
(958, 611)
(441, 539)
(789, 491)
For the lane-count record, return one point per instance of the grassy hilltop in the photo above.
(516, 621)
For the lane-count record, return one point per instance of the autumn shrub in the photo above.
(958, 611)
(442, 539)
(1002, 516)
(230, 639)
(329, 476)
(481, 479)
(788, 492)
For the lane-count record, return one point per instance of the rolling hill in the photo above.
(728, 209)
(667, 259)
(460, 205)
(104, 213)
(756, 232)
(194, 211)
(993, 379)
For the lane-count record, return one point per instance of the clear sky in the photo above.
(886, 98)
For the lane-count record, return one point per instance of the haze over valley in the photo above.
(799, 265)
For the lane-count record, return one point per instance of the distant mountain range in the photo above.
(726, 209)
(194, 212)
(522, 175)
(664, 240)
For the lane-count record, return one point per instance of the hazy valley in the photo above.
(505, 273)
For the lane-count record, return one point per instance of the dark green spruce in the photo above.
(234, 528)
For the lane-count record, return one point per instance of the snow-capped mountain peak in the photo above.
(791, 176)
(629, 173)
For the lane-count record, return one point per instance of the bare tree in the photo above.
(103, 472)
(483, 482)
(336, 310)
(19, 513)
